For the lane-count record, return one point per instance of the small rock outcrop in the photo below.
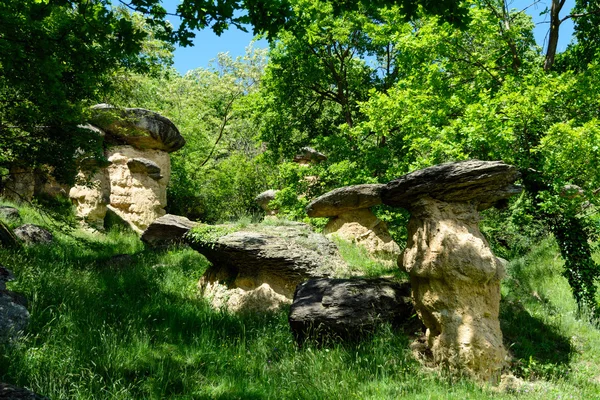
(13, 314)
(308, 155)
(33, 234)
(347, 309)
(351, 219)
(20, 184)
(258, 268)
(264, 199)
(455, 277)
(166, 230)
(133, 182)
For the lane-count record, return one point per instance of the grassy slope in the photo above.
(137, 329)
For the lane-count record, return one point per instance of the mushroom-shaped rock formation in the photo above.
(258, 268)
(264, 199)
(133, 184)
(348, 309)
(308, 155)
(455, 277)
(140, 128)
(351, 219)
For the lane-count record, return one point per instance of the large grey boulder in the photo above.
(13, 314)
(258, 268)
(140, 128)
(455, 277)
(33, 234)
(11, 392)
(167, 229)
(349, 308)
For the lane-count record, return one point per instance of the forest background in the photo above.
(382, 88)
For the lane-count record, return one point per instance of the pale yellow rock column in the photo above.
(455, 280)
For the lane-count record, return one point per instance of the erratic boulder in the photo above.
(455, 277)
(348, 309)
(167, 229)
(33, 234)
(351, 219)
(258, 268)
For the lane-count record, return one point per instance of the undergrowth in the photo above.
(134, 327)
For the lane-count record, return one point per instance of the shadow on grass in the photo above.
(539, 349)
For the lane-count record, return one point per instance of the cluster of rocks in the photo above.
(28, 234)
(128, 181)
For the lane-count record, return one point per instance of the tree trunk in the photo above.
(555, 22)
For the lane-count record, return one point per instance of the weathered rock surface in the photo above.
(482, 182)
(137, 198)
(308, 155)
(20, 184)
(264, 199)
(345, 199)
(364, 229)
(280, 257)
(91, 196)
(13, 314)
(33, 234)
(144, 166)
(167, 229)
(348, 308)
(137, 127)
(352, 220)
(9, 213)
(10, 392)
(455, 277)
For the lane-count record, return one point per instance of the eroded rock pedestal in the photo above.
(351, 219)
(455, 277)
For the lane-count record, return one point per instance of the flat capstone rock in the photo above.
(475, 181)
(345, 199)
(144, 166)
(166, 230)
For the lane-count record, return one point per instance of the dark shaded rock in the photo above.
(345, 199)
(349, 308)
(7, 236)
(482, 182)
(144, 166)
(309, 155)
(5, 276)
(13, 316)
(10, 392)
(9, 213)
(167, 229)
(275, 260)
(137, 127)
(265, 198)
(33, 234)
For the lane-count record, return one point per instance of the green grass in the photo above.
(137, 329)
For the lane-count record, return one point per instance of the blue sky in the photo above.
(207, 45)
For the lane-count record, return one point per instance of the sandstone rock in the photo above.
(144, 166)
(481, 182)
(455, 277)
(10, 392)
(9, 213)
(281, 258)
(137, 198)
(91, 196)
(33, 234)
(140, 128)
(308, 155)
(364, 229)
(264, 199)
(167, 229)
(345, 199)
(348, 308)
